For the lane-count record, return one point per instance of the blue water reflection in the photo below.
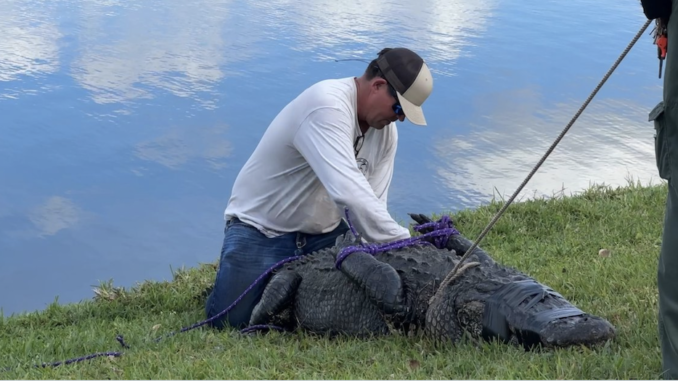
(124, 123)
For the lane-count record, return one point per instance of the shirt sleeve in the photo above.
(324, 139)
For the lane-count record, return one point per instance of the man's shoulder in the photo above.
(337, 92)
(328, 100)
(344, 84)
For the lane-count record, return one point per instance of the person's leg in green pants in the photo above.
(668, 287)
(666, 123)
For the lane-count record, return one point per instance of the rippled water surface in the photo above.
(124, 123)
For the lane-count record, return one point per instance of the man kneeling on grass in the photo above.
(332, 147)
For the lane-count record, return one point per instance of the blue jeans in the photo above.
(246, 254)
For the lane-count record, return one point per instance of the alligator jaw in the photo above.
(586, 330)
(536, 315)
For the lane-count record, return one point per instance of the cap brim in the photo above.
(413, 113)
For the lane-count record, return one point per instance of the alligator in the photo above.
(393, 292)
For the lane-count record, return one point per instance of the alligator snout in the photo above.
(584, 330)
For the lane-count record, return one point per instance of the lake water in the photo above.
(124, 123)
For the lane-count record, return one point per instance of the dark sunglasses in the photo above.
(397, 108)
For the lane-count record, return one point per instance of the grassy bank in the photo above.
(556, 241)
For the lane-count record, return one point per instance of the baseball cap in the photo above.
(409, 75)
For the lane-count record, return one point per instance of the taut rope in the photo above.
(452, 273)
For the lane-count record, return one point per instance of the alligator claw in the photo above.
(421, 219)
(346, 240)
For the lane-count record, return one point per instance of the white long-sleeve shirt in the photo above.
(304, 171)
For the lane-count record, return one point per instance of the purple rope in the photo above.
(350, 225)
(442, 230)
(445, 222)
(262, 276)
(88, 357)
(70, 361)
(121, 339)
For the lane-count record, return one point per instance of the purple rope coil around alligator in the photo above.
(442, 229)
(438, 236)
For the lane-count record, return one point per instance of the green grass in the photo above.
(554, 240)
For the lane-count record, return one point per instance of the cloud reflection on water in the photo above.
(329, 29)
(28, 40)
(180, 145)
(129, 52)
(609, 142)
(54, 215)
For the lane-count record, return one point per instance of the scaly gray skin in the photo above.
(373, 295)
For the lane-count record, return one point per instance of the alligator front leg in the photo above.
(278, 295)
(379, 280)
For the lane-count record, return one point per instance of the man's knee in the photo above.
(242, 273)
(236, 314)
(230, 307)
(229, 279)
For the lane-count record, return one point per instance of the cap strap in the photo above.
(390, 75)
